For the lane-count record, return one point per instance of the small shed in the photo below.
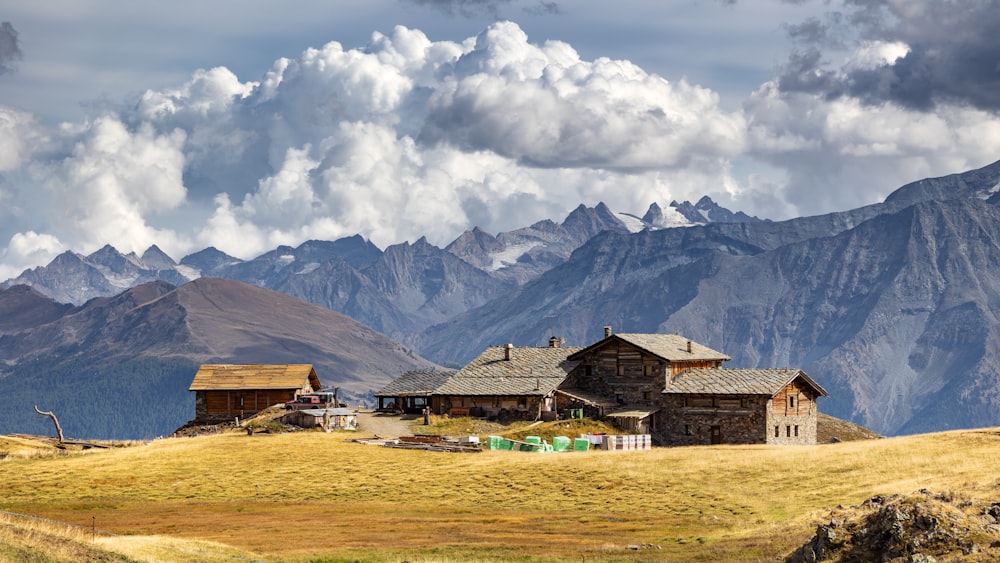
(327, 419)
(224, 391)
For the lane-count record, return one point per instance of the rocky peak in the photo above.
(155, 259)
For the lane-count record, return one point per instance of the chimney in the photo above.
(506, 351)
(607, 331)
(555, 342)
(689, 346)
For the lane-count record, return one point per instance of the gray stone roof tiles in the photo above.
(726, 381)
(416, 382)
(670, 347)
(529, 371)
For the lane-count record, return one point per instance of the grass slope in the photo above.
(311, 496)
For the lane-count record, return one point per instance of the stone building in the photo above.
(738, 406)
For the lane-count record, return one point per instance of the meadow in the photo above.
(313, 496)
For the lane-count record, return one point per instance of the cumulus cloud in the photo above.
(109, 185)
(409, 137)
(843, 152)
(10, 51)
(28, 249)
(952, 54)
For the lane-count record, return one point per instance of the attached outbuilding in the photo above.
(411, 392)
(225, 391)
(508, 382)
(739, 406)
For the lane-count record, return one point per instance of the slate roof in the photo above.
(724, 381)
(419, 383)
(670, 347)
(230, 377)
(530, 371)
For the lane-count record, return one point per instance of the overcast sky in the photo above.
(244, 125)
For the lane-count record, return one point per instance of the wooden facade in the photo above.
(226, 391)
(626, 371)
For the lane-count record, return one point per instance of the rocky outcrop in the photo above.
(918, 528)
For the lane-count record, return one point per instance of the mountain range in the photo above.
(891, 306)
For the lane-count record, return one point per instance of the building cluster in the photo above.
(664, 385)
(660, 384)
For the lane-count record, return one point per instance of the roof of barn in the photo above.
(229, 377)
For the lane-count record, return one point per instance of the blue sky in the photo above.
(244, 125)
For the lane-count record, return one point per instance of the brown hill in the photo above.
(22, 307)
(120, 367)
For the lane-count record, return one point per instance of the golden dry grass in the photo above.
(314, 496)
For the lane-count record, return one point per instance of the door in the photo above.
(716, 434)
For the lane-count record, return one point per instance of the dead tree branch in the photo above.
(55, 421)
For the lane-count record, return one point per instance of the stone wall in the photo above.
(687, 420)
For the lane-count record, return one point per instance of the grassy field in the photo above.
(310, 496)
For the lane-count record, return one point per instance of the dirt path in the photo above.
(385, 426)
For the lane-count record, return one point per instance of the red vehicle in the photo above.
(311, 401)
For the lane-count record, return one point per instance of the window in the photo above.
(796, 430)
(620, 398)
(687, 430)
(788, 432)
(645, 395)
(791, 401)
(589, 371)
(621, 369)
(776, 432)
(647, 370)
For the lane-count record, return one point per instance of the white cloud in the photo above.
(112, 182)
(409, 137)
(28, 249)
(841, 153)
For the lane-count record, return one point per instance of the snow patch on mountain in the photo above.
(188, 272)
(509, 255)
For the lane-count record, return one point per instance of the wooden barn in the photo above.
(739, 406)
(225, 391)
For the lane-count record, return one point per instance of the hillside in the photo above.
(120, 367)
(740, 503)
